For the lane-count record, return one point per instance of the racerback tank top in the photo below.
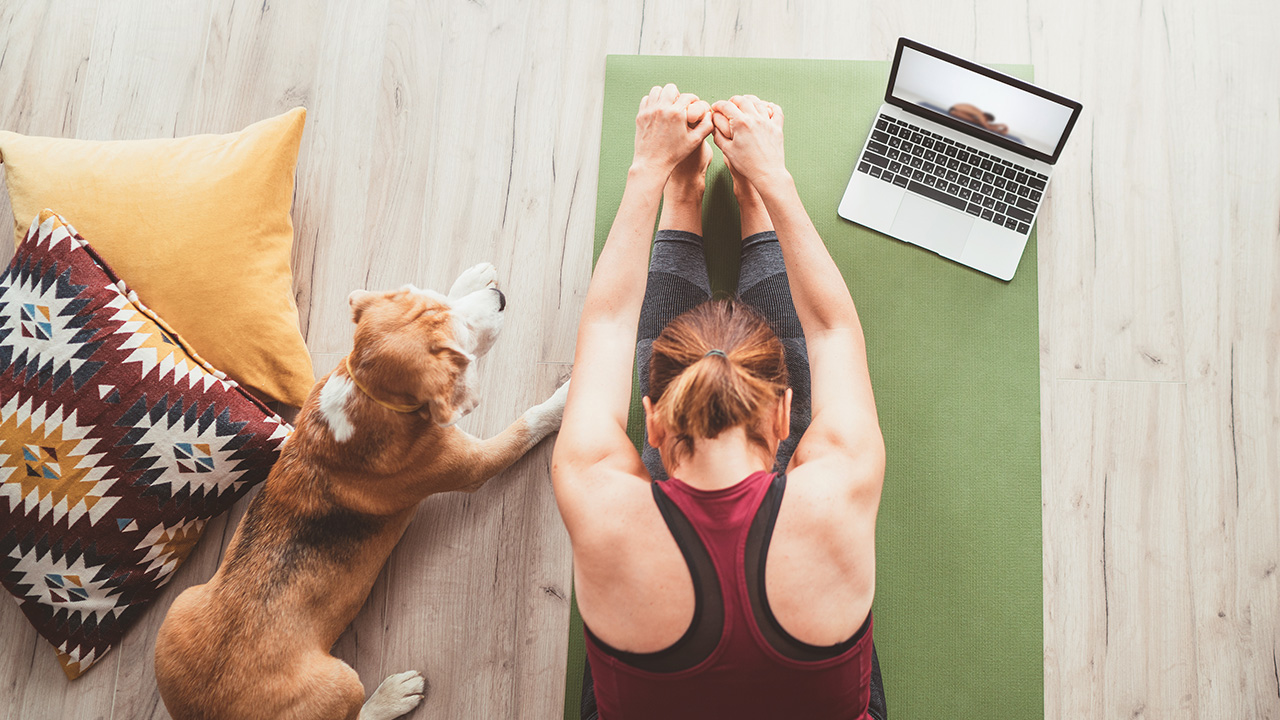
(735, 660)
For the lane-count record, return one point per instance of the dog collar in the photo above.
(365, 390)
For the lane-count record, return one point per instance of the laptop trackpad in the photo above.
(932, 225)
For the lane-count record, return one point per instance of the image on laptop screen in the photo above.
(985, 103)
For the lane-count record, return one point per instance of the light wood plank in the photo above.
(1118, 257)
(332, 240)
(144, 72)
(1118, 622)
(43, 64)
(245, 38)
(20, 656)
(1229, 280)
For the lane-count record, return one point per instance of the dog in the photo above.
(375, 437)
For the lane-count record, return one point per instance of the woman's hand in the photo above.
(748, 131)
(669, 127)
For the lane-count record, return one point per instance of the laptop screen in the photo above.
(1006, 111)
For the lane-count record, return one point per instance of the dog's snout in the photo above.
(502, 300)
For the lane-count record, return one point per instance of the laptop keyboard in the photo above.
(953, 173)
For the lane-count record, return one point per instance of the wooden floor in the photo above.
(448, 132)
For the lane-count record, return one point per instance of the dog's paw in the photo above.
(544, 418)
(476, 277)
(397, 695)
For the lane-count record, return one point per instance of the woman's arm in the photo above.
(593, 436)
(844, 425)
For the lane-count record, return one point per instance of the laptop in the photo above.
(958, 159)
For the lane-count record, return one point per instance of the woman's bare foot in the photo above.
(682, 196)
(754, 217)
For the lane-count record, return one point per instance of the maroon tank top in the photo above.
(735, 660)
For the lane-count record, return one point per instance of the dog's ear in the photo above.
(446, 394)
(359, 300)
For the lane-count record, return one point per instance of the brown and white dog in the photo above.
(375, 438)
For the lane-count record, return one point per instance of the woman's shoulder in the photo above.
(855, 478)
(634, 590)
(820, 577)
(610, 506)
(837, 495)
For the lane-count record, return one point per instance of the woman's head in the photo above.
(716, 367)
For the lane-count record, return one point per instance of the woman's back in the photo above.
(734, 657)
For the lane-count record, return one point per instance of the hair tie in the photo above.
(716, 352)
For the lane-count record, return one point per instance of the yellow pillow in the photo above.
(199, 226)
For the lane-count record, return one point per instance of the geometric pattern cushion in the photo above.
(117, 445)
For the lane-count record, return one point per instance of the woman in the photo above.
(726, 590)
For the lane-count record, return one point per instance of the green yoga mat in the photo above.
(954, 357)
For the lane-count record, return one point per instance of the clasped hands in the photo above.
(670, 125)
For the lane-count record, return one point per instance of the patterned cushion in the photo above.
(117, 445)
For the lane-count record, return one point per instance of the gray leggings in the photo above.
(678, 282)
